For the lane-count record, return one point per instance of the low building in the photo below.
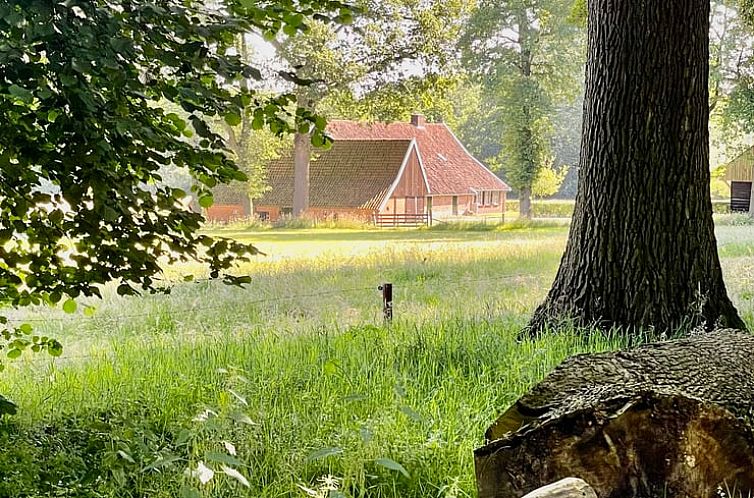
(231, 203)
(353, 179)
(394, 173)
(739, 174)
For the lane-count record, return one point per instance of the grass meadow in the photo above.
(294, 386)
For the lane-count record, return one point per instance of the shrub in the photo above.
(721, 206)
(341, 222)
(545, 209)
(735, 219)
(564, 208)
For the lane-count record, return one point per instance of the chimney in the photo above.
(418, 120)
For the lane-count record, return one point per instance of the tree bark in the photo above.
(669, 419)
(642, 250)
(526, 138)
(524, 203)
(302, 155)
(751, 198)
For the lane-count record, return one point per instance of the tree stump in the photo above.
(670, 419)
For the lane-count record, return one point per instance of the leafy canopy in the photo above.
(83, 136)
(528, 56)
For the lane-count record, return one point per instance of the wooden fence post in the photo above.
(387, 302)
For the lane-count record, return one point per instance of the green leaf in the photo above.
(235, 475)
(125, 456)
(392, 465)
(324, 453)
(214, 456)
(125, 290)
(26, 328)
(54, 348)
(241, 418)
(21, 93)
(52, 115)
(206, 201)
(14, 353)
(318, 140)
(410, 413)
(89, 311)
(69, 306)
(7, 407)
(233, 118)
(330, 367)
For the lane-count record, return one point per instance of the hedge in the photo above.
(545, 209)
(564, 209)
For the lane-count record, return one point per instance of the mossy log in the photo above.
(671, 419)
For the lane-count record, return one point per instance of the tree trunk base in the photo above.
(666, 420)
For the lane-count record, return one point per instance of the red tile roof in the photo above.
(450, 168)
(352, 174)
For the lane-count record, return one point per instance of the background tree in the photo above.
(83, 141)
(641, 252)
(731, 68)
(527, 55)
(388, 42)
(548, 181)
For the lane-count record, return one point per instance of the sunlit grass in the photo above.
(328, 389)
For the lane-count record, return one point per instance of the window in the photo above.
(286, 211)
(263, 215)
(455, 204)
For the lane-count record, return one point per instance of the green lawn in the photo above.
(297, 372)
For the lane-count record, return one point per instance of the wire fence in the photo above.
(376, 291)
(421, 281)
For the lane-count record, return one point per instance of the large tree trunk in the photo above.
(670, 419)
(642, 250)
(301, 158)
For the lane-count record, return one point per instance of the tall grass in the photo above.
(298, 373)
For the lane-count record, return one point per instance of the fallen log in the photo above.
(671, 419)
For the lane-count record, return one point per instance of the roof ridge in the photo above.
(387, 123)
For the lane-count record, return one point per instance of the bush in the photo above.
(497, 226)
(564, 209)
(735, 219)
(721, 206)
(545, 209)
(341, 222)
(256, 224)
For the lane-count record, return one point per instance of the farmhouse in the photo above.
(394, 173)
(740, 175)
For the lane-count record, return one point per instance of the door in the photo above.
(740, 196)
(455, 205)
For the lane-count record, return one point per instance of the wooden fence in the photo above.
(402, 220)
